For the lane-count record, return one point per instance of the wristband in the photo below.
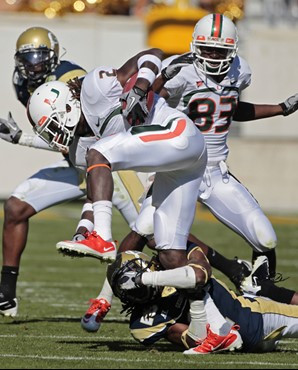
(149, 58)
(147, 74)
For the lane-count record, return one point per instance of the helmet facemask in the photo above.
(213, 66)
(55, 133)
(36, 64)
(124, 263)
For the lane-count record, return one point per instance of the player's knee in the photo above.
(16, 211)
(264, 235)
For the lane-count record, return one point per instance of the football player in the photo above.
(37, 61)
(157, 312)
(208, 91)
(168, 143)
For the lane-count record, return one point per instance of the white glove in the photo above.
(9, 130)
(290, 105)
(130, 280)
(176, 64)
(135, 110)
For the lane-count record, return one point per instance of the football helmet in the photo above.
(37, 54)
(132, 261)
(54, 114)
(214, 44)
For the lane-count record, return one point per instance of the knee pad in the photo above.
(264, 237)
(144, 222)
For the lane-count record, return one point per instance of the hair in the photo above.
(75, 86)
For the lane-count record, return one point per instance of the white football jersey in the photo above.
(100, 102)
(209, 104)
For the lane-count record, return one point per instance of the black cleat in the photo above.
(242, 270)
(8, 306)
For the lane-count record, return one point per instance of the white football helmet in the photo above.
(54, 114)
(214, 32)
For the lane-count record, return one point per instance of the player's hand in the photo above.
(9, 130)
(290, 105)
(176, 64)
(135, 106)
(130, 280)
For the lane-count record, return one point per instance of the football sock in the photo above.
(228, 267)
(9, 277)
(218, 324)
(102, 211)
(271, 255)
(106, 292)
(279, 294)
(197, 329)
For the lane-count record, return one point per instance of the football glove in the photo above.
(9, 130)
(175, 66)
(290, 105)
(130, 280)
(136, 109)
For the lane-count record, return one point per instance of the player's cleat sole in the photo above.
(9, 307)
(92, 246)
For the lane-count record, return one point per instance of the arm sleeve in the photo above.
(34, 141)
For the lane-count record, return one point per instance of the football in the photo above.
(130, 84)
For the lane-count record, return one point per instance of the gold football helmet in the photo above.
(132, 261)
(37, 54)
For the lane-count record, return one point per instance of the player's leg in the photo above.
(139, 150)
(234, 206)
(259, 283)
(48, 187)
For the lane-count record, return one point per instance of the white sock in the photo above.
(106, 292)
(102, 211)
(197, 328)
(218, 324)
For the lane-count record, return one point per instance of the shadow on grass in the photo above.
(9, 321)
(121, 346)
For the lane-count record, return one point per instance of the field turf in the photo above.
(53, 293)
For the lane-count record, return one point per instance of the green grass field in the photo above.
(53, 293)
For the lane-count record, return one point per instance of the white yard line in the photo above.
(134, 360)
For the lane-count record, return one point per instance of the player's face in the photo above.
(214, 53)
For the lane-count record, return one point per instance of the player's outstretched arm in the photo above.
(249, 112)
(11, 132)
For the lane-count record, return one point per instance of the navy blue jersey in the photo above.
(149, 323)
(246, 312)
(64, 72)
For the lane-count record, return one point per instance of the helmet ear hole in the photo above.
(68, 108)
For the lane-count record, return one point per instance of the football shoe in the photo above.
(8, 306)
(95, 314)
(215, 343)
(260, 272)
(242, 270)
(92, 246)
